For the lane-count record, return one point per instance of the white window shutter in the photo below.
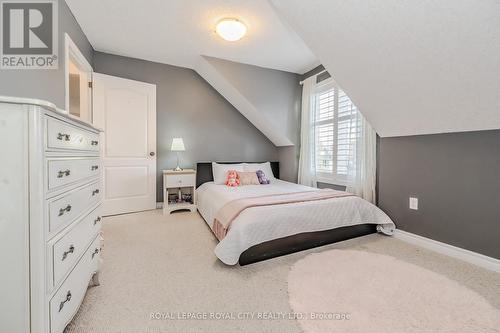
(337, 126)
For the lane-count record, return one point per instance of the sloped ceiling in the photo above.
(411, 67)
(248, 89)
(177, 32)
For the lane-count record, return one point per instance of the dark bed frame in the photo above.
(290, 244)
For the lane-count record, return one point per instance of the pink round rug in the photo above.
(352, 291)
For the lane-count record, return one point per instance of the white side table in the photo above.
(177, 186)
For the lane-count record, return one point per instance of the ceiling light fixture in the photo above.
(231, 29)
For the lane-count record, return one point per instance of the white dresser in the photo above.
(50, 199)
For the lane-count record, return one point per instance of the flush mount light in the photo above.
(231, 29)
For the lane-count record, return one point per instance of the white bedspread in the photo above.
(260, 224)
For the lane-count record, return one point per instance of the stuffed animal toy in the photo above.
(232, 178)
(262, 177)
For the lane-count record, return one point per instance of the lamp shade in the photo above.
(177, 145)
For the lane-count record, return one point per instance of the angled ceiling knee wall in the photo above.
(411, 67)
(274, 110)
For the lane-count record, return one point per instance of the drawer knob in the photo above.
(63, 173)
(96, 191)
(96, 251)
(68, 298)
(98, 219)
(63, 136)
(64, 210)
(94, 143)
(70, 250)
(94, 167)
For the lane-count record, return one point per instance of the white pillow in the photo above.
(220, 171)
(266, 167)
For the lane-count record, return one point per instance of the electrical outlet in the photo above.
(413, 203)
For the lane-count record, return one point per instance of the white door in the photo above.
(126, 111)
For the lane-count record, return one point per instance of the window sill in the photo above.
(332, 181)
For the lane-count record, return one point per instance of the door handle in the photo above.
(152, 153)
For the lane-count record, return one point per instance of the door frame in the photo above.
(71, 49)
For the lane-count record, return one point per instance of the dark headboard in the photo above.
(204, 171)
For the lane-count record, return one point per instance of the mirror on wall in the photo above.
(78, 79)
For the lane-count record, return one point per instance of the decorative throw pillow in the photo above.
(262, 177)
(248, 178)
(266, 167)
(220, 171)
(232, 178)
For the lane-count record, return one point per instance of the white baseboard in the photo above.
(450, 250)
(159, 205)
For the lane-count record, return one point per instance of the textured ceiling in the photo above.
(412, 67)
(177, 32)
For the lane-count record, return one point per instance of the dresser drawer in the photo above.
(61, 135)
(65, 208)
(65, 302)
(66, 171)
(180, 180)
(67, 250)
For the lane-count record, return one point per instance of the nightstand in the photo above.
(179, 190)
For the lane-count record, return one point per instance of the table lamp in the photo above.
(177, 146)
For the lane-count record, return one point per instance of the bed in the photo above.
(264, 232)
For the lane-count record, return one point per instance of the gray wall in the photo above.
(277, 94)
(42, 83)
(289, 161)
(188, 107)
(456, 179)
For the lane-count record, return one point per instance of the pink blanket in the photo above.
(230, 211)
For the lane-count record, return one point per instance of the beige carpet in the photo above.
(360, 291)
(165, 265)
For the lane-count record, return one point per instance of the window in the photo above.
(336, 125)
